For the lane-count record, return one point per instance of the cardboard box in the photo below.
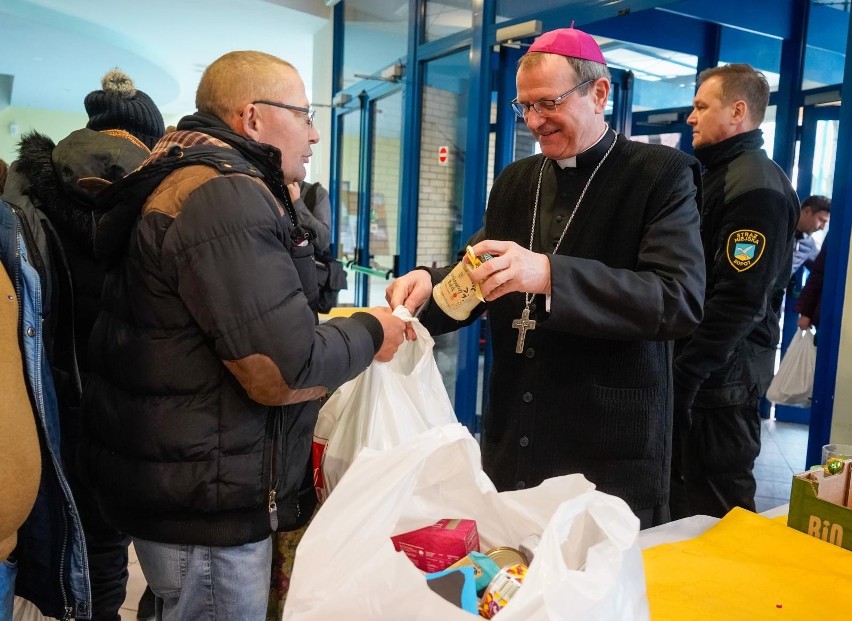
(436, 547)
(821, 505)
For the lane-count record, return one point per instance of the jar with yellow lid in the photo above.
(457, 295)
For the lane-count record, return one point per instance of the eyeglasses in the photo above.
(544, 105)
(308, 112)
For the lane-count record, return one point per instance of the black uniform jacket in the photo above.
(747, 226)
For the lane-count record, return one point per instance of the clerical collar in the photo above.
(588, 157)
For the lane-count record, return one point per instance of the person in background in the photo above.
(597, 267)
(814, 216)
(123, 124)
(4, 170)
(748, 225)
(208, 363)
(809, 303)
(314, 209)
(20, 458)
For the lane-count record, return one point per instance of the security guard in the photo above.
(724, 367)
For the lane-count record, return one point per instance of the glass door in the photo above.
(347, 197)
(385, 127)
(818, 150)
(443, 133)
(368, 195)
(814, 174)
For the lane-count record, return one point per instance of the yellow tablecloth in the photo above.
(749, 567)
(341, 311)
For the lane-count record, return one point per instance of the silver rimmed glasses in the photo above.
(543, 106)
(308, 112)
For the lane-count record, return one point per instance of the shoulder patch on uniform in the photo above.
(744, 248)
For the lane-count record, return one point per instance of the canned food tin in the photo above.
(505, 556)
(502, 589)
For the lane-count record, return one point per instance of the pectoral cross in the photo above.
(522, 325)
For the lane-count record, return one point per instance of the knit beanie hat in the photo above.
(120, 106)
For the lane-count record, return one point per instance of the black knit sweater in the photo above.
(591, 391)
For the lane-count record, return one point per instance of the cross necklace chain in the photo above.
(524, 323)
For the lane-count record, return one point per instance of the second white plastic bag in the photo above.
(794, 382)
(388, 403)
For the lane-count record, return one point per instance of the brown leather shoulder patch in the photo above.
(261, 378)
(171, 194)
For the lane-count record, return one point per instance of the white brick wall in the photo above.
(439, 209)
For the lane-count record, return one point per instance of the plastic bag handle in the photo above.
(422, 333)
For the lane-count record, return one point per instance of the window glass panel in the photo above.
(384, 207)
(446, 17)
(442, 138)
(662, 78)
(517, 9)
(768, 127)
(825, 54)
(761, 52)
(669, 139)
(525, 143)
(443, 129)
(347, 199)
(825, 155)
(375, 37)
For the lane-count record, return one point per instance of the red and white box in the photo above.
(436, 547)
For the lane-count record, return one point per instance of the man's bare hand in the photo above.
(512, 268)
(804, 322)
(411, 290)
(394, 329)
(294, 190)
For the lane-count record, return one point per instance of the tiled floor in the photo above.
(782, 453)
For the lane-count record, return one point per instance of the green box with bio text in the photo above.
(821, 505)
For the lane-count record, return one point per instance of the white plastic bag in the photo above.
(794, 382)
(588, 565)
(388, 403)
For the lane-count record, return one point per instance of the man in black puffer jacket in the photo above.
(747, 227)
(208, 362)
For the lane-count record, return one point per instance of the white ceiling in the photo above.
(54, 52)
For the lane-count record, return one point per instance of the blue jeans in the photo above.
(207, 582)
(8, 571)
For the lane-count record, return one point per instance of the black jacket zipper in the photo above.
(272, 475)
